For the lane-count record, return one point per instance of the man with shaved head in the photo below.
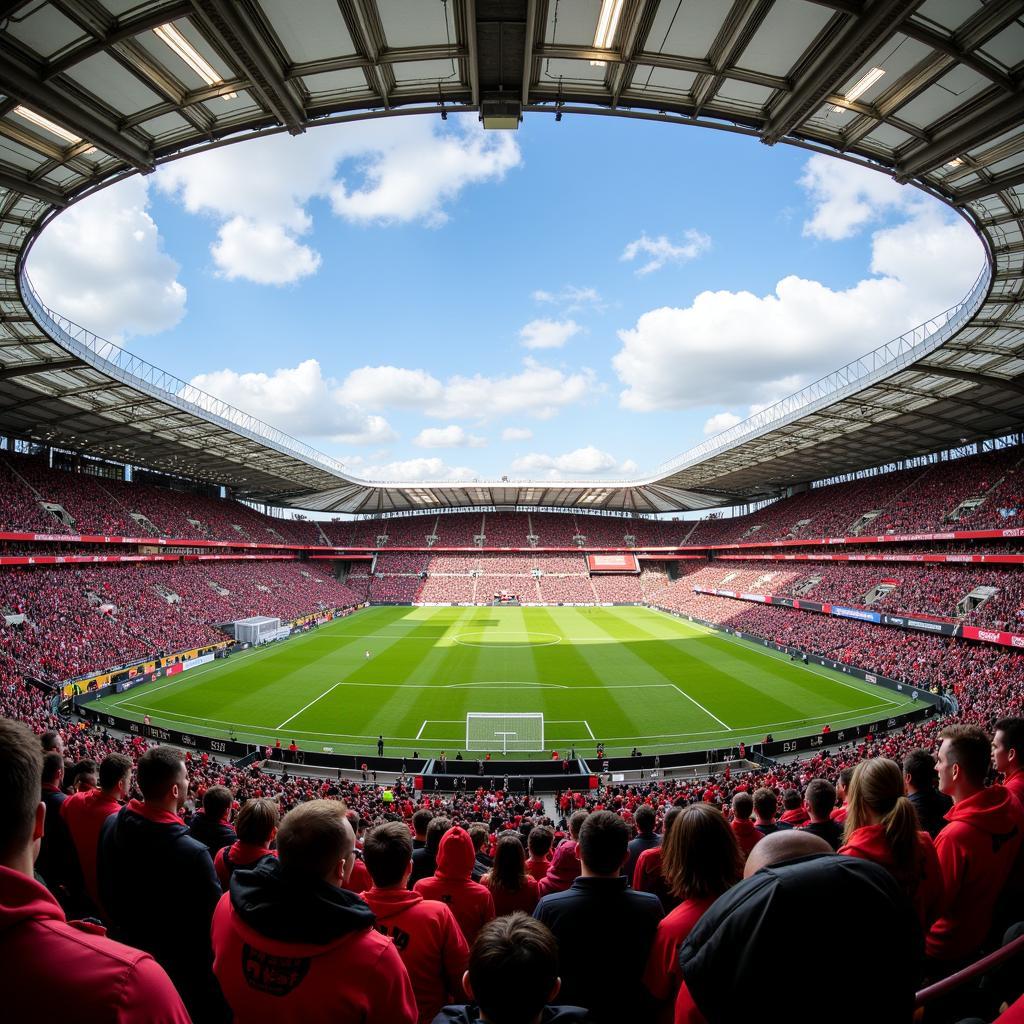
(290, 943)
(744, 942)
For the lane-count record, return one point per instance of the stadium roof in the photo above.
(92, 90)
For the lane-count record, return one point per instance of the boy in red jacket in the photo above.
(539, 843)
(470, 902)
(256, 828)
(976, 850)
(85, 813)
(292, 946)
(746, 834)
(47, 961)
(425, 932)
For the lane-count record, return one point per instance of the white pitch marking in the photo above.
(591, 731)
(725, 727)
(422, 727)
(311, 703)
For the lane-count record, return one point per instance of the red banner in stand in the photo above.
(993, 636)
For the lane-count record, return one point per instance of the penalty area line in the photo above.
(701, 706)
(310, 704)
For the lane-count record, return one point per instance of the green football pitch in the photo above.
(623, 676)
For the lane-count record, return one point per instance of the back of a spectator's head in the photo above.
(435, 830)
(479, 833)
(217, 802)
(387, 851)
(820, 795)
(316, 841)
(513, 969)
(791, 800)
(52, 740)
(766, 804)
(964, 754)
(53, 768)
(645, 818)
(85, 774)
(919, 769)
(576, 823)
(700, 857)
(257, 821)
(785, 845)
(21, 769)
(420, 821)
(540, 840)
(114, 769)
(604, 841)
(743, 806)
(159, 771)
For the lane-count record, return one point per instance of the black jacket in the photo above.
(765, 925)
(636, 847)
(604, 931)
(469, 1014)
(212, 834)
(424, 864)
(57, 863)
(159, 889)
(830, 831)
(931, 807)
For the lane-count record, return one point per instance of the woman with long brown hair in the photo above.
(700, 860)
(881, 825)
(511, 886)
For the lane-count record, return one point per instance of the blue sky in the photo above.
(580, 299)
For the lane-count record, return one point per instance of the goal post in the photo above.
(487, 731)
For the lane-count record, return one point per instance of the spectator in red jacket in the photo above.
(648, 875)
(746, 835)
(46, 961)
(976, 850)
(539, 843)
(701, 859)
(84, 814)
(1008, 754)
(794, 813)
(565, 864)
(256, 828)
(471, 903)
(291, 945)
(425, 932)
(512, 888)
(842, 787)
(881, 825)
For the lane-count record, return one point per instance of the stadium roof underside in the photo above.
(92, 90)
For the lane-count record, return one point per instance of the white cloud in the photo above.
(298, 400)
(516, 434)
(409, 470)
(372, 172)
(102, 264)
(538, 391)
(719, 422)
(588, 461)
(572, 297)
(452, 436)
(548, 333)
(662, 251)
(847, 196)
(741, 348)
(262, 252)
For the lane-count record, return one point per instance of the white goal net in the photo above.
(259, 629)
(487, 731)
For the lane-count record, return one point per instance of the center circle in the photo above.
(531, 638)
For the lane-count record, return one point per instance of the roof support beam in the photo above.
(974, 378)
(19, 80)
(34, 189)
(633, 34)
(847, 51)
(531, 31)
(27, 369)
(990, 187)
(227, 21)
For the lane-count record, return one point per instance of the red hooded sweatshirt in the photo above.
(237, 855)
(977, 851)
(538, 867)
(924, 883)
(647, 877)
(84, 815)
(295, 950)
(663, 976)
(1015, 784)
(796, 817)
(746, 835)
(565, 869)
(74, 966)
(429, 941)
(470, 902)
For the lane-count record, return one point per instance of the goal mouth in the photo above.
(515, 732)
